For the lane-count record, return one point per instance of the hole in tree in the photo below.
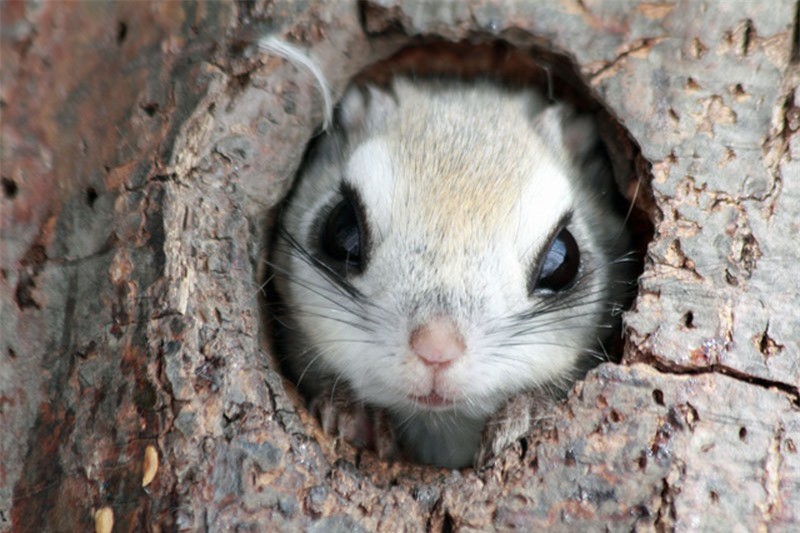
(122, 32)
(569, 458)
(150, 108)
(322, 299)
(523, 447)
(10, 188)
(447, 523)
(658, 397)
(91, 196)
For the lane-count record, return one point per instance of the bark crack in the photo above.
(640, 46)
(670, 368)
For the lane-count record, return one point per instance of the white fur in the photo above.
(462, 194)
(294, 55)
(369, 170)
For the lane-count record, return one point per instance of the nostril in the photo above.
(437, 343)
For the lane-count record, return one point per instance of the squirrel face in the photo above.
(447, 246)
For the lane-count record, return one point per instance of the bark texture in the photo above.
(142, 147)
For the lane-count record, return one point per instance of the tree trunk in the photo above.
(142, 147)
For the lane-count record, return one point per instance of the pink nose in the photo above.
(438, 343)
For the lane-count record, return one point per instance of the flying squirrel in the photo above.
(448, 245)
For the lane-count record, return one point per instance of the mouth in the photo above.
(432, 401)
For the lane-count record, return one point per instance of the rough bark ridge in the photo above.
(142, 145)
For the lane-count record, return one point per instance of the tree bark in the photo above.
(142, 148)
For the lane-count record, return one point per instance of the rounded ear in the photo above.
(566, 131)
(365, 108)
(576, 137)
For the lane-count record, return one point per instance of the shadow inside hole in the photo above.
(122, 32)
(10, 188)
(554, 76)
(688, 320)
(91, 196)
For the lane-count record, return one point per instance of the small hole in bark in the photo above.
(553, 81)
(714, 496)
(24, 296)
(730, 279)
(10, 188)
(447, 523)
(698, 48)
(743, 433)
(642, 462)
(747, 38)
(372, 19)
(91, 196)
(688, 320)
(674, 116)
(11, 353)
(569, 458)
(658, 397)
(691, 84)
(523, 446)
(242, 80)
(767, 345)
(150, 108)
(122, 32)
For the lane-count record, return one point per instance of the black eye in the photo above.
(561, 264)
(342, 237)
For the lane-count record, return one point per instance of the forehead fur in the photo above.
(469, 162)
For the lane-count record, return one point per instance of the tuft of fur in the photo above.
(463, 186)
(296, 56)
